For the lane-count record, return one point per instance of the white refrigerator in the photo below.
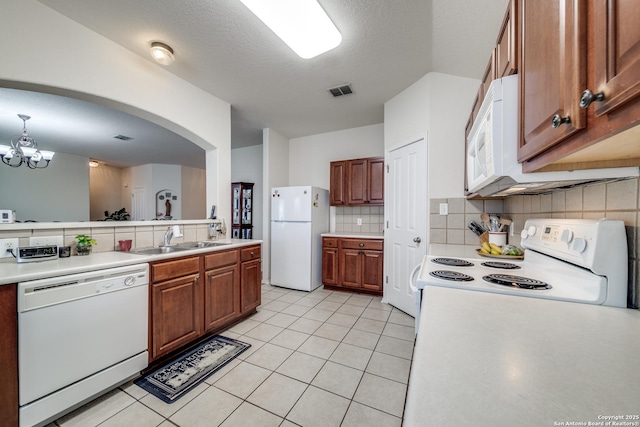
(298, 216)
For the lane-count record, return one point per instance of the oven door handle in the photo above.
(413, 277)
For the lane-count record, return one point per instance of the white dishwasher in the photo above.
(78, 336)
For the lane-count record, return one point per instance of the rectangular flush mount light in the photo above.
(301, 24)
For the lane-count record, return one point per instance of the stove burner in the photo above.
(452, 262)
(516, 281)
(451, 275)
(502, 265)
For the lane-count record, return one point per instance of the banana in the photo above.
(486, 247)
(496, 248)
(484, 251)
(495, 252)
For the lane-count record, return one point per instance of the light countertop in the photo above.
(484, 359)
(354, 235)
(13, 272)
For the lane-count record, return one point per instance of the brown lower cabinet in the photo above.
(353, 264)
(198, 295)
(9, 355)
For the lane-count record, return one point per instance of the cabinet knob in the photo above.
(210, 275)
(588, 97)
(556, 121)
(252, 253)
(361, 245)
(198, 278)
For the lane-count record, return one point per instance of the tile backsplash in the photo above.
(372, 217)
(616, 200)
(107, 236)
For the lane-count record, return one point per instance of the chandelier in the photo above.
(24, 150)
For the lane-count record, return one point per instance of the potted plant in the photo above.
(84, 243)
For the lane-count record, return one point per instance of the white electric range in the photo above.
(575, 260)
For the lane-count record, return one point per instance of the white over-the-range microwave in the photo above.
(492, 149)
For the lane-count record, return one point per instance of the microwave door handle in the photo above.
(478, 161)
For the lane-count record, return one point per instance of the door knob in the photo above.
(417, 240)
(557, 121)
(588, 97)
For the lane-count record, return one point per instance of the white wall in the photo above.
(438, 106)
(105, 191)
(62, 190)
(275, 172)
(193, 193)
(309, 156)
(246, 166)
(165, 177)
(450, 103)
(60, 56)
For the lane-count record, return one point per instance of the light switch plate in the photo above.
(444, 208)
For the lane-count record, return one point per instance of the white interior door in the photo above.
(406, 221)
(138, 204)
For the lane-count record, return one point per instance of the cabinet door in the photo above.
(375, 181)
(616, 26)
(221, 296)
(250, 281)
(350, 268)
(356, 182)
(337, 187)
(330, 266)
(552, 72)
(372, 262)
(9, 355)
(506, 47)
(176, 313)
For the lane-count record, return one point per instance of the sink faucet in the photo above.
(167, 236)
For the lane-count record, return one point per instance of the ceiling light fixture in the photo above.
(302, 24)
(162, 53)
(24, 150)
(93, 164)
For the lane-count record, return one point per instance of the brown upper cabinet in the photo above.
(506, 50)
(579, 84)
(357, 182)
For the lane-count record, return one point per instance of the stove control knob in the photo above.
(531, 231)
(579, 244)
(566, 236)
(524, 234)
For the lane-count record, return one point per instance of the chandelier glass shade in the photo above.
(24, 150)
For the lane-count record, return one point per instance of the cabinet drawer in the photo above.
(220, 259)
(176, 268)
(329, 242)
(252, 252)
(370, 244)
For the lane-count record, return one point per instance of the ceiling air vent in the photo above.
(340, 90)
(123, 137)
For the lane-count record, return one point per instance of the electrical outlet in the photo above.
(359, 221)
(444, 208)
(7, 244)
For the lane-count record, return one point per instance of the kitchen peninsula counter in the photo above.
(485, 359)
(354, 235)
(13, 272)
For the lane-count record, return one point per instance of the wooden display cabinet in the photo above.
(242, 210)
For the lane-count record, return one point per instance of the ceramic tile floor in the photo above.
(316, 359)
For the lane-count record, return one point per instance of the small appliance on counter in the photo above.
(7, 216)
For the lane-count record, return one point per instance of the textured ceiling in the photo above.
(225, 50)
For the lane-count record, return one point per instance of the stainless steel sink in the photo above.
(177, 248)
(159, 250)
(198, 245)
